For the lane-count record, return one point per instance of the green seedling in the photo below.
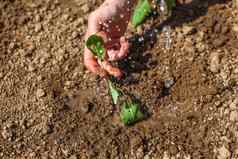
(130, 110)
(96, 45)
(131, 113)
(115, 93)
(142, 10)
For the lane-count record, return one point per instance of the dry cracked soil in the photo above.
(51, 107)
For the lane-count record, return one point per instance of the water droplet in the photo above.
(168, 39)
(121, 15)
(141, 39)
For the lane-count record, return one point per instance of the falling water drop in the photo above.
(122, 15)
(165, 13)
(141, 39)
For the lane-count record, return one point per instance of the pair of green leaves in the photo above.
(131, 113)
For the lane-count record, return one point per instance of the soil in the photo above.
(51, 107)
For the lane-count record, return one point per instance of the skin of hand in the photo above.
(109, 21)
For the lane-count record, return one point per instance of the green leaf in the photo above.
(131, 113)
(96, 45)
(114, 92)
(142, 10)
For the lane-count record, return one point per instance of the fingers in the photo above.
(93, 24)
(90, 61)
(116, 72)
(120, 53)
(92, 65)
(124, 48)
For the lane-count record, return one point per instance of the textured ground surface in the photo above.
(51, 107)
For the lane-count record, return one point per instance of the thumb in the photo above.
(116, 72)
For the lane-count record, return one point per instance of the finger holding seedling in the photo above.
(109, 22)
(97, 47)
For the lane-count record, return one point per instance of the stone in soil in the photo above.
(73, 157)
(234, 104)
(223, 153)
(234, 116)
(40, 93)
(38, 27)
(47, 129)
(214, 62)
(168, 83)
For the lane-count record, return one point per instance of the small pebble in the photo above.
(223, 153)
(85, 8)
(74, 34)
(235, 28)
(38, 27)
(234, 116)
(168, 83)
(73, 157)
(40, 93)
(214, 62)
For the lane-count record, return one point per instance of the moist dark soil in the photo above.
(51, 107)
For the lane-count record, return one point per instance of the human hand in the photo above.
(110, 22)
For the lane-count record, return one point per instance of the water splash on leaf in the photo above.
(96, 45)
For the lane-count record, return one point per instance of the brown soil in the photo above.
(51, 107)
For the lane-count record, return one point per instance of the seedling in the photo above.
(130, 111)
(115, 93)
(142, 10)
(96, 45)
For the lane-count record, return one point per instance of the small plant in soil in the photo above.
(144, 8)
(130, 112)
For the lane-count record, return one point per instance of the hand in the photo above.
(110, 22)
